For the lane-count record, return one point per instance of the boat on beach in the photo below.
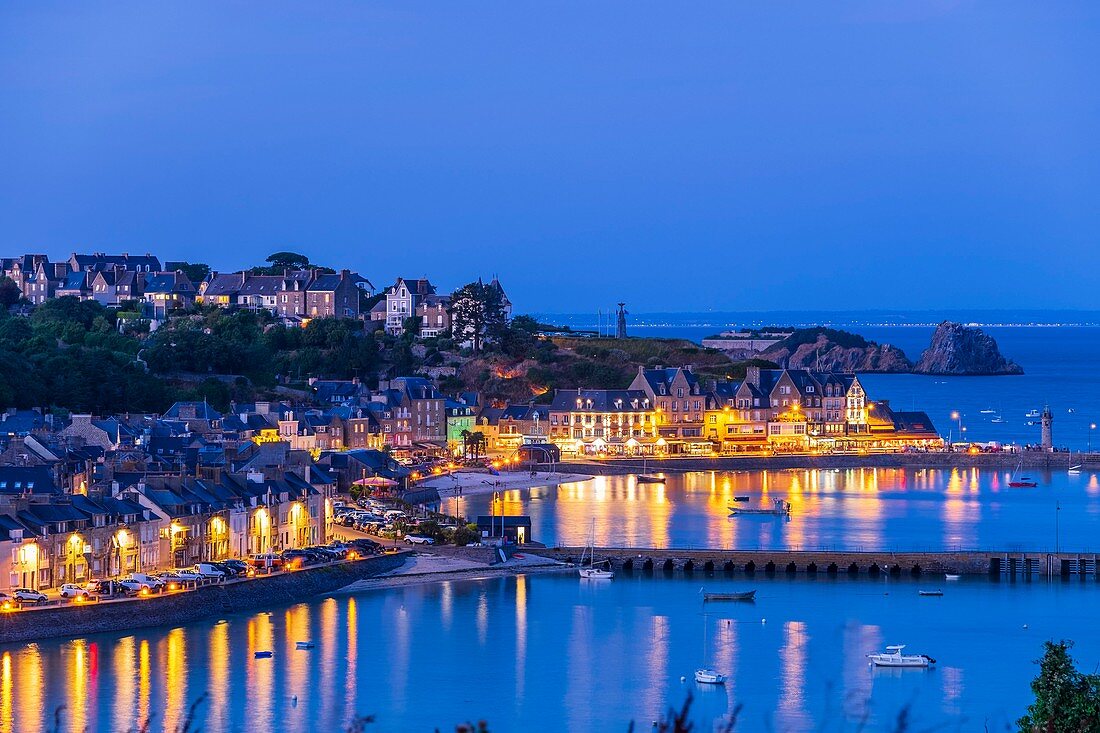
(894, 658)
(749, 595)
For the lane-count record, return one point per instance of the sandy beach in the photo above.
(429, 567)
(472, 483)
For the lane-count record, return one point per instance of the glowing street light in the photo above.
(1092, 426)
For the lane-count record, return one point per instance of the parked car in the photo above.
(154, 582)
(172, 581)
(418, 539)
(237, 565)
(188, 574)
(26, 595)
(72, 591)
(133, 585)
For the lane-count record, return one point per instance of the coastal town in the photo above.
(88, 496)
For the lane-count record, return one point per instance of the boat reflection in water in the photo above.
(575, 656)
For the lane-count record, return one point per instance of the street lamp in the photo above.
(1092, 426)
(957, 418)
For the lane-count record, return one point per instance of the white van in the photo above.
(207, 570)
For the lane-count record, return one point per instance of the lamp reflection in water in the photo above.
(77, 709)
(218, 671)
(521, 634)
(174, 653)
(350, 679)
(7, 725)
(29, 685)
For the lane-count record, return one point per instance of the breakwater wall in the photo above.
(183, 607)
(1009, 461)
(837, 562)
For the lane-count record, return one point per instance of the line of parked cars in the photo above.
(368, 516)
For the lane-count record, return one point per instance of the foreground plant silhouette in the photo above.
(1066, 700)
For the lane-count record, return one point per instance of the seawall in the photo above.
(207, 601)
(1008, 461)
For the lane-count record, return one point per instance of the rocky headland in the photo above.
(958, 350)
(829, 350)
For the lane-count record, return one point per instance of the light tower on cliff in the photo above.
(1048, 434)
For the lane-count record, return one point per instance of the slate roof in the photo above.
(15, 480)
(603, 400)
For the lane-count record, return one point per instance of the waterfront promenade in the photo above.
(931, 459)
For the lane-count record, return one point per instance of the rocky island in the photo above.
(959, 350)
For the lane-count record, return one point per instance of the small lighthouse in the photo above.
(1048, 434)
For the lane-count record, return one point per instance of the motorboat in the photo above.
(1074, 469)
(987, 411)
(894, 658)
(779, 508)
(749, 595)
(709, 677)
(950, 576)
(930, 593)
(997, 419)
(1032, 413)
(304, 645)
(264, 655)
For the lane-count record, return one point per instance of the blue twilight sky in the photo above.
(725, 155)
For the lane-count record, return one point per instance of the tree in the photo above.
(288, 261)
(9, 292)
(477, 314)
(196, 272)
(1066, 700)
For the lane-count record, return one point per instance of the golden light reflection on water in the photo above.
(174, 652)
(332, 649)
(220, 683)
(29, 685)
(6, 723)
(78, 684)
(350, 676)
(521, 634)
(259, 673)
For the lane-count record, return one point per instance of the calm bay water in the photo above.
(551, 652)
(869, 509)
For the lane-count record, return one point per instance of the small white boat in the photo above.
(592, 571)
(894, 658)
(951, 576)
(709, 677)
(987, 411)
(1032, 413)
(998, 419)
(596, 573)
(1074, 469)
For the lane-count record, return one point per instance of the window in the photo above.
(679, 391)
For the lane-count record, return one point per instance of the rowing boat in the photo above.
(745, 596)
